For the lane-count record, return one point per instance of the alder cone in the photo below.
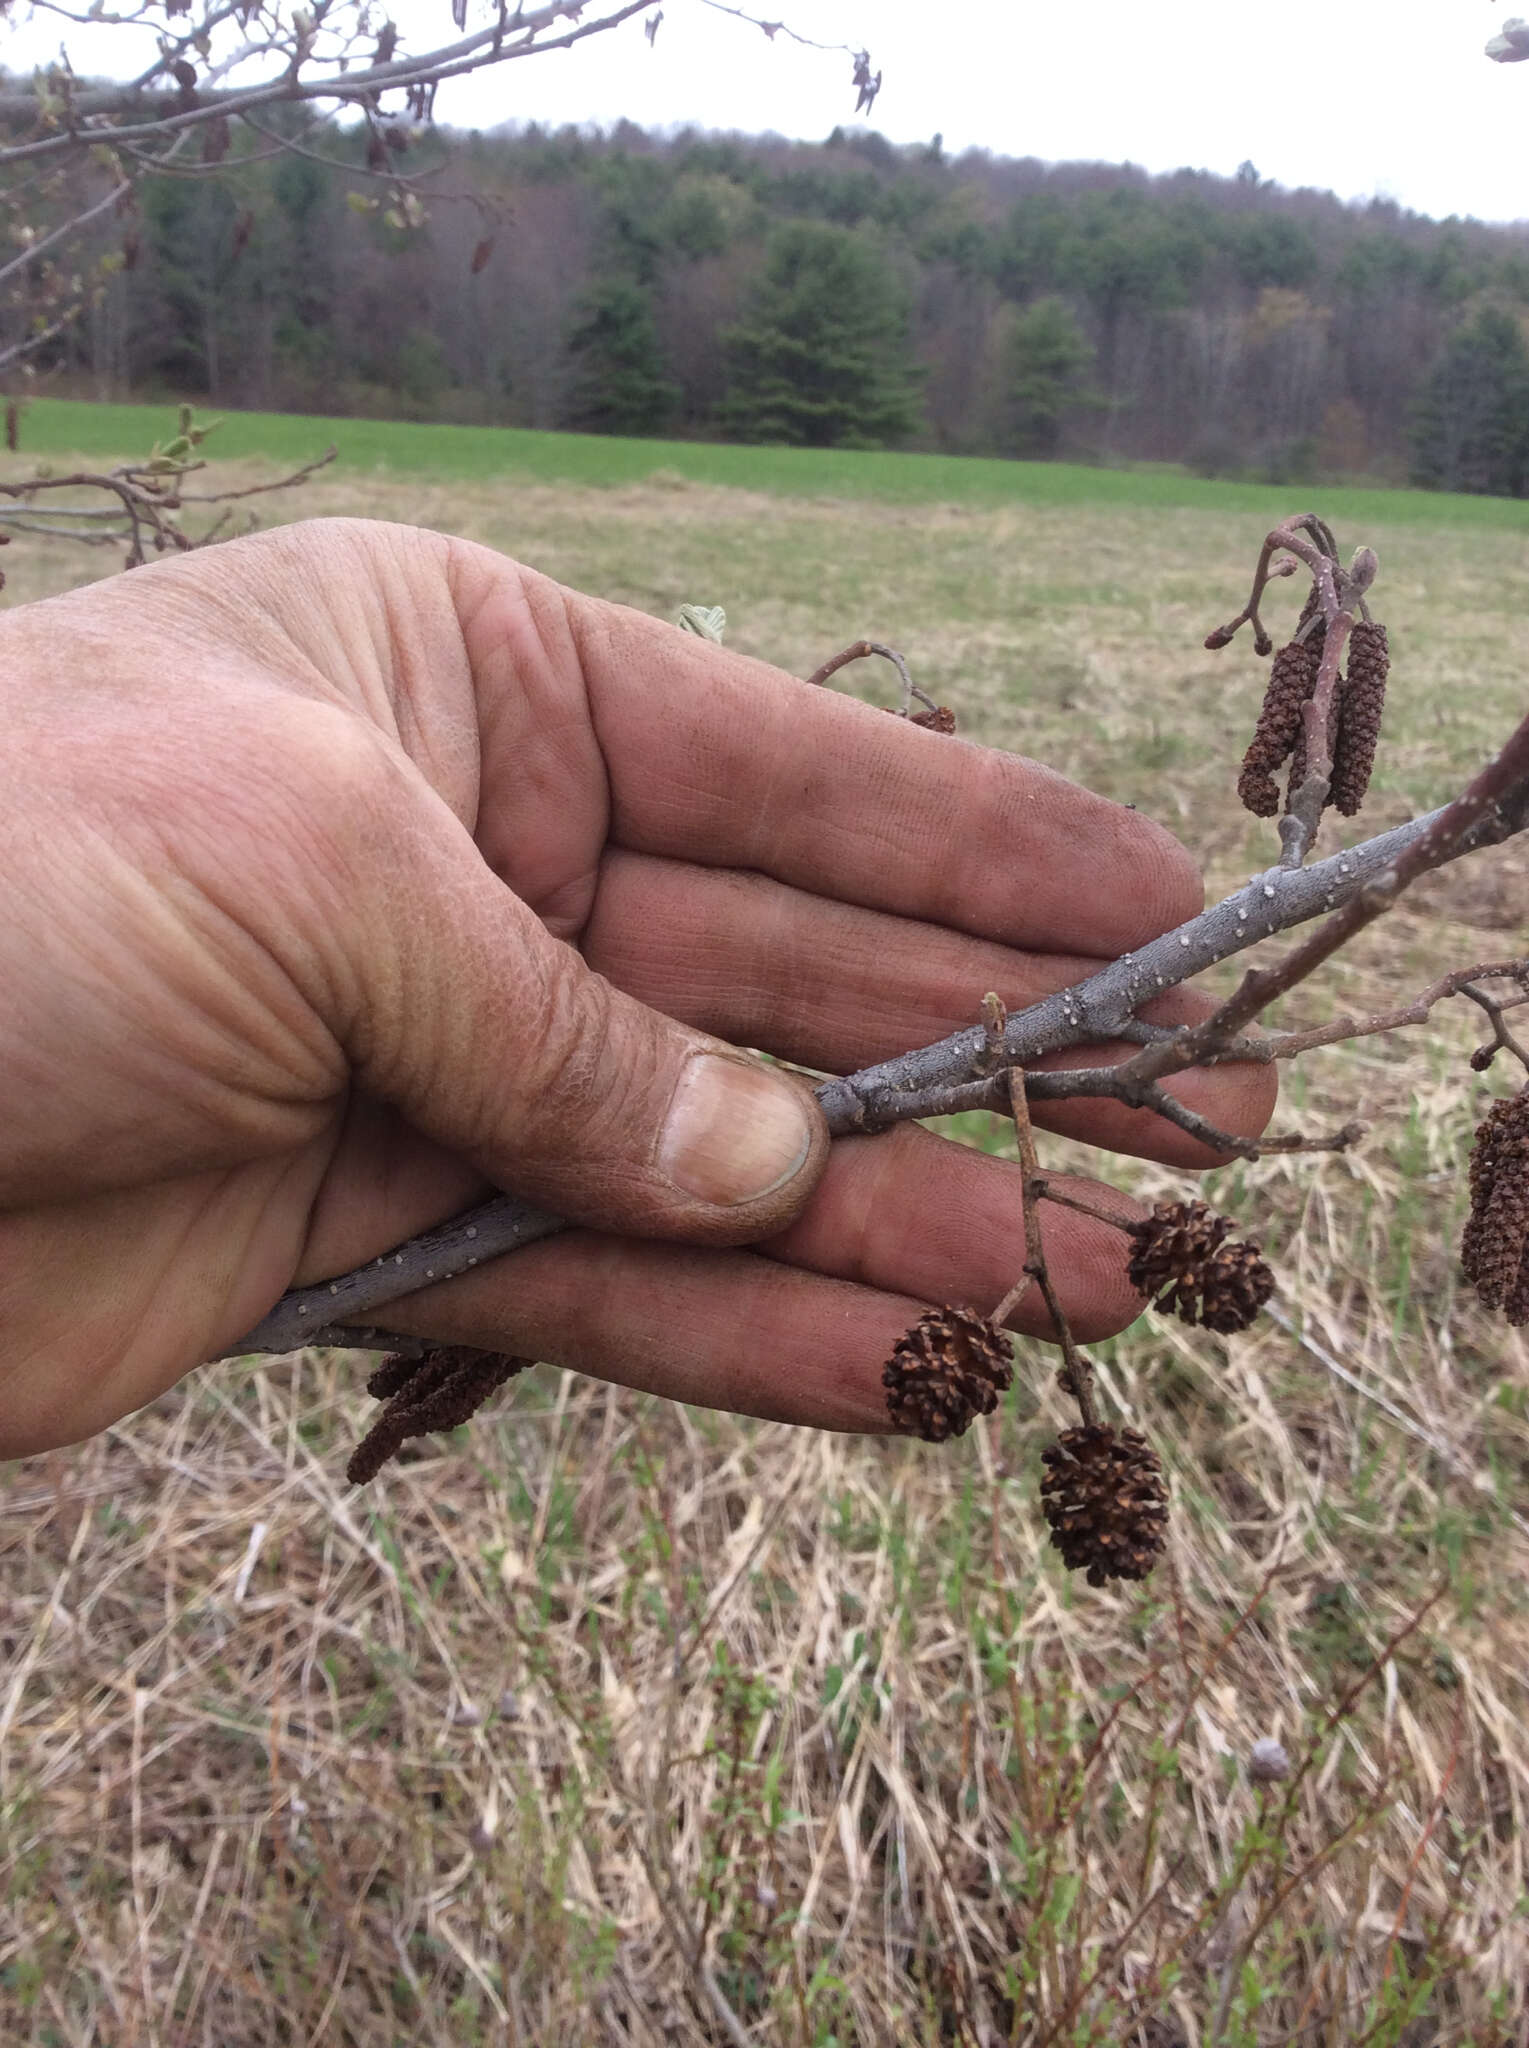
(945, 1372)
(936, 718)
(939, 718)
(1292, 678)
(1181, 1261)
(1104, 1497)
(1360, 706)
(1494, 1251)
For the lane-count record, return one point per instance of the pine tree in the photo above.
(822, 358)
(1046, 358)
(619, 385)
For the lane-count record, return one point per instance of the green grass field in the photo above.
(609, 1722)
(54, 427)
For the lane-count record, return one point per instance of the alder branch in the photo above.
(861, 650)
(1287, 1045)
(18, 351)
(148, 502)
(106, 114)
(148, 499)
(957, 1072)
(1500, 793)
(866, 87)
(44, 243)
(937, 1078)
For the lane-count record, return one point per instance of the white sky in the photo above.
(1393, 97)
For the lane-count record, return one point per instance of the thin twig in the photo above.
(95, 111)
(1076, 1372)
(860, 650)
(1288, 1045)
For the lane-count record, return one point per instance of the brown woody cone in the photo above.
(937, 718)
(944, 1372)
(1360, 704)
(1292, 678)
(1104, 1496)
(1494, 1252)
(1181, 1261)
(435, 1392)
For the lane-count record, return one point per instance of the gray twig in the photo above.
(956, 1073)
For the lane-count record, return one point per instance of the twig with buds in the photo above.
(1103, 1493)
(150, 496)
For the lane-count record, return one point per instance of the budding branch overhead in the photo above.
(1102, 1492)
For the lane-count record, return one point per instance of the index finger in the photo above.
(716, 758)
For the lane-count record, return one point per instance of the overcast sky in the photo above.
(1393, 97)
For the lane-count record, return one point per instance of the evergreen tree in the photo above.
(1471, 431)
(619, 386)
(1046, 358)
(822, 358)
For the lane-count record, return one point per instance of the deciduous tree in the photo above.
(1472, 429)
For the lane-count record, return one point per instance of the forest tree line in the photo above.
(844, 293)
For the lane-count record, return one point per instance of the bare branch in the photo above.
(1077, 1374)
(119, 114)
(149, 496)
(859, 650)
(956, 1073)
(1288, 1045)
(64, 232)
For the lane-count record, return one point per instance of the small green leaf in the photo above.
(707, 621)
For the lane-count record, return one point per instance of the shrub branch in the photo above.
(1354, 887)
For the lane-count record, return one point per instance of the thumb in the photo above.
(458, 1006)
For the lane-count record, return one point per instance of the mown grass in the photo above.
(606, 1721)
(511, 456)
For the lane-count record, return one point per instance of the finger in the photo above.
(910, 1211)
(452, 1002)
(724, 761)
(835, 987)
(741, 1331)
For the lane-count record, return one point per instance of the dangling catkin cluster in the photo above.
(1292, 678)
(1104, 1497)
(437, 1391)
(1361, 702)
(1494, 1252)
(1181, 1261)
(944, 1372)
(1358, 701)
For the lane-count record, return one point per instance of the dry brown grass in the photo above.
(612, 1722)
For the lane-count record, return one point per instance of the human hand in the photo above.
(353, 872)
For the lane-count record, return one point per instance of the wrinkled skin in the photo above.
(353, 872)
